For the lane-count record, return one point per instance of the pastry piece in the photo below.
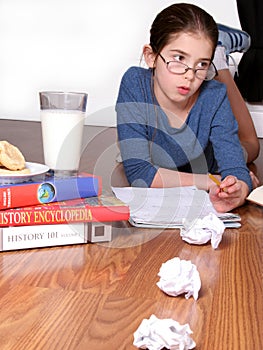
(11, 157)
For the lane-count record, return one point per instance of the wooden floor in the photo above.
(95, 296)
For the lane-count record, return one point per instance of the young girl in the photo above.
(175, 123)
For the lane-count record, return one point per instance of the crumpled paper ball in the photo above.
(203, 230)
(178, 277)
(156, 334)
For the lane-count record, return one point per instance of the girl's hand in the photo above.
(229, 195)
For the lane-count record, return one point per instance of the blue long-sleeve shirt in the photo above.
(206, 142)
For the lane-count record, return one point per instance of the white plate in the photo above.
(36, 169)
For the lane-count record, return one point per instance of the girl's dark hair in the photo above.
(181, 17)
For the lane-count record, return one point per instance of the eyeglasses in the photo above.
(180, 68)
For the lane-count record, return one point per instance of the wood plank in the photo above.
(42, 318)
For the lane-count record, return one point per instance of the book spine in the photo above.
(28, 194)
(26, 237)
(56, 214)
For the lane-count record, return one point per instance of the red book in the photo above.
(49, 190)
(92, 209)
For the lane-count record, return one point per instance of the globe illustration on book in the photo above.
(46, 192)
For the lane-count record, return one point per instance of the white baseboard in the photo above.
(256, 111)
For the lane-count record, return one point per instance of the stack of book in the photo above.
(57, 211)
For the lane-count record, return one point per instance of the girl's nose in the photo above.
(190, 74)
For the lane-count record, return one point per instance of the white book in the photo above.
(256, 196)
(37, 236)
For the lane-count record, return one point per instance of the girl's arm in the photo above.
(172, 178)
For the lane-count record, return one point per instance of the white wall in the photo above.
(77, 45)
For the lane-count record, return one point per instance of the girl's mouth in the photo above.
(183, 90)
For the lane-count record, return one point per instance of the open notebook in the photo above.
(256, 196)
(169, 207)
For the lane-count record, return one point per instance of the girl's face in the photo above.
(195, 51)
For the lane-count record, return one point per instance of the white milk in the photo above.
(62, 133)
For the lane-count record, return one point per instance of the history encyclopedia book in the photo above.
(50, 189)
(104, 208)
(40, 236)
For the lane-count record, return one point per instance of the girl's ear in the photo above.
(149, 56)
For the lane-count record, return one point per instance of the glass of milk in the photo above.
(62, 117)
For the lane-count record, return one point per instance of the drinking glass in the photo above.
(62, 117)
